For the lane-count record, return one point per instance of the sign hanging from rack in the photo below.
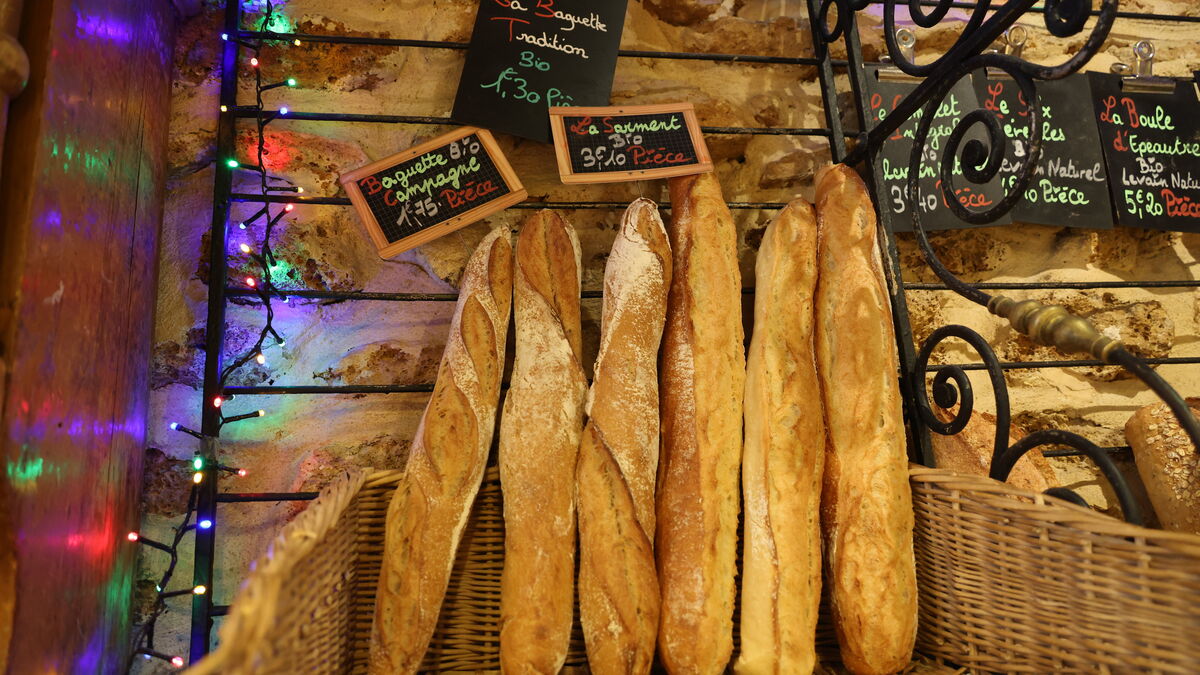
(892, 160)
(527, 55)
(611, 145)
(1151, 142)
(1069, 185)
(432, 189)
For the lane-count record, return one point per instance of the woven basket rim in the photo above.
(1053, 509)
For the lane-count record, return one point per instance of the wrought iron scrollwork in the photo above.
(951, 386)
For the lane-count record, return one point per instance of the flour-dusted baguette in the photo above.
(783, 455)
(866, 504)
(618, 459)
(539, 444)
(1168, 464)
(429, 509)
(703, 370)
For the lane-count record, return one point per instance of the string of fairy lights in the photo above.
(265, 289)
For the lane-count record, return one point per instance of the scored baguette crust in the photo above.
(703, 370)
(429, 509)
(618, 461)
(866, 505)
(539, 443)
(1168, 465)
(783, 455)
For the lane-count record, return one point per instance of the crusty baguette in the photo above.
(429, 509)
(702, 375)
(618, 461)
(1168, 464)
(783, 455)
(866, 504)
(970, 451)
(539, 444)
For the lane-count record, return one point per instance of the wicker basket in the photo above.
(1027, 585)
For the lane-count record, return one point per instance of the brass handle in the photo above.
(1054, 325)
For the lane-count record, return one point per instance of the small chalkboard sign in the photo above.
(610, 145)
(1151, 144)
(892, 160)
(527, 55)
(432, 189)
(1069, 186)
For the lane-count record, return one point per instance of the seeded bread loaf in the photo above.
(1168, 464)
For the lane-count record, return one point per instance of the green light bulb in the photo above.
(232, 163)
(291, 81)
(198, 463)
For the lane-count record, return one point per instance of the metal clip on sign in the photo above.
(1015, 39)
(908, 48)
(1140, 76)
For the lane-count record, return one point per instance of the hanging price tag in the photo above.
(610, 145)
(432, 189)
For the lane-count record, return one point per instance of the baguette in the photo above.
(1168, 464)
(618, 585)
(429, 509)
(783, 455)
(703, 370)
(539, 444)
(866, 503)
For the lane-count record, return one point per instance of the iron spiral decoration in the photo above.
(981, 161)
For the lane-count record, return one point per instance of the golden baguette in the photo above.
(703, 370)
(866, 504)
(429, 509)
(539, 444)
(783, 455)
(618, 585)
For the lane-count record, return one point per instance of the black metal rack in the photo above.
(914, 370)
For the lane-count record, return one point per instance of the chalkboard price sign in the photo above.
(892, 160)
(610, 145)
(432, 189)
(1069, 186)
(1151, 144)
(528, 55)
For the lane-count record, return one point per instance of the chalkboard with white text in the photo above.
(528, 55)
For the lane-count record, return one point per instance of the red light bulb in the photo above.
(177, 661)
(132, 536)
(251, 282)
(289, 208)
(217, 400)
(254, 61)
(241, 473)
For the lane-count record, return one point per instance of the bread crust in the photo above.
(783, 455)
(1168, 464)
(702, 376)
(618, 585)
(539, 444)
(429, 509)
(867, 516)
(970, 452)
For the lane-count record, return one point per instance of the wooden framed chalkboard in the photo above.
(432, 189)
(527, 55)
(614, 144)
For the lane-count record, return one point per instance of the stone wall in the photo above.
(304, 441)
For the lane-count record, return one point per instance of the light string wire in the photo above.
(143, 639)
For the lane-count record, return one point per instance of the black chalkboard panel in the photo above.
(608, 145)
(1151, 147)
(1069, 185)
(432, 189)
(892, 160)
(528, 55)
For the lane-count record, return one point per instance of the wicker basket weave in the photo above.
(1027, 585)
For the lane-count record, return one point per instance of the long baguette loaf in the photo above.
(429, 509)
(703, 370)
(539, 444)
(618, 461)
(866, 504)
(783, 455)
(1168, 465)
